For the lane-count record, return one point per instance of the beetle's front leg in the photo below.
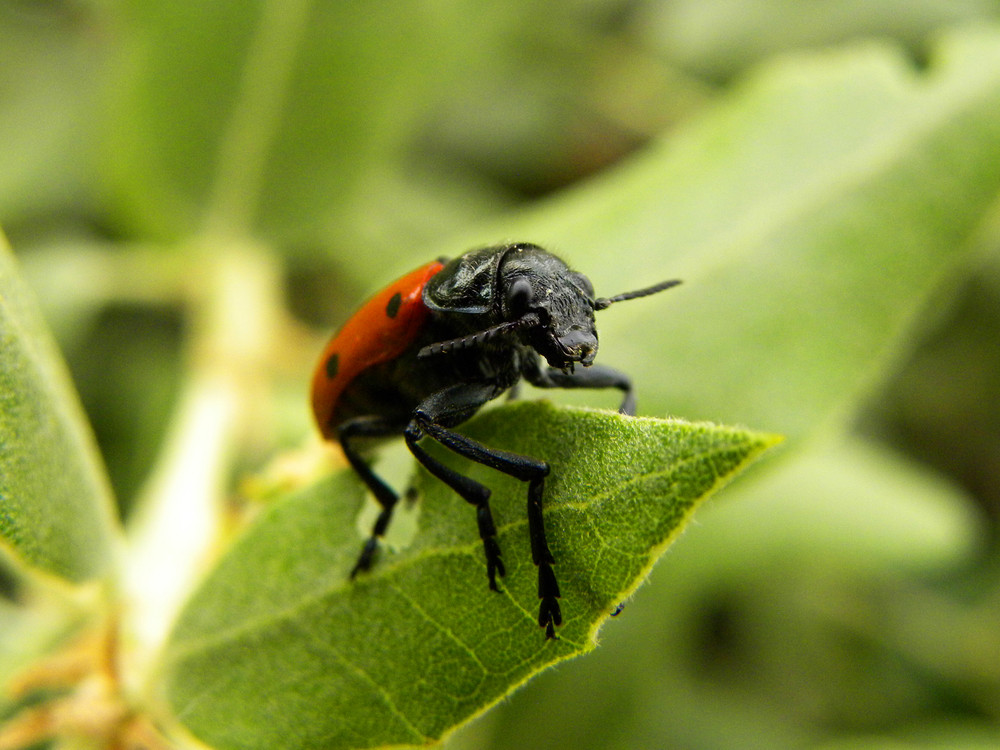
(595, 376)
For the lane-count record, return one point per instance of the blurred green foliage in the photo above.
(841, 259)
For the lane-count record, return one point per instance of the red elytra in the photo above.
(379, 331)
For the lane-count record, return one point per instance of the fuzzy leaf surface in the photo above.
(419, 645)
(55, 504)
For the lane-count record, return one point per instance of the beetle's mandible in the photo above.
(425, 353)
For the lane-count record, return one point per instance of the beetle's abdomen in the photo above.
(378, 332)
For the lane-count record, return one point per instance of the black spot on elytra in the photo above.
(393, 307)
(332, 365)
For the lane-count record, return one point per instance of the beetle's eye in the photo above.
(519, 297)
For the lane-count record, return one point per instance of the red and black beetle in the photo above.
(424, 354)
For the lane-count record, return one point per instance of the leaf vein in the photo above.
(440, 626)
(380, 692)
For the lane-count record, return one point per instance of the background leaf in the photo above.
(268, 138)
(420, 644)
(810, 215)
(719, 37)
(55, 506)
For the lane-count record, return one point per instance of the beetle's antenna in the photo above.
(602, 302)
(475, 339)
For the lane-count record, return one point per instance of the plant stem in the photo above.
(235, 306)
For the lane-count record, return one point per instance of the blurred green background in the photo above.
(848, 596)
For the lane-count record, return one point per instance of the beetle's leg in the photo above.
(370, 427)
(472, 492)
(595, 376)
(451, 406)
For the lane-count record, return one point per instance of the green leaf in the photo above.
(857, 502)
(55, 504)
(419, 645)
(810, 215)
(721, 37)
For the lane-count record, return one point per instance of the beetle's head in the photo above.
(557, 306)
(529, 293)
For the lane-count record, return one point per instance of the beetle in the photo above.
(425, 353)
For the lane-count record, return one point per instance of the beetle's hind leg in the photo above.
(370, 427)
(454, 405)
